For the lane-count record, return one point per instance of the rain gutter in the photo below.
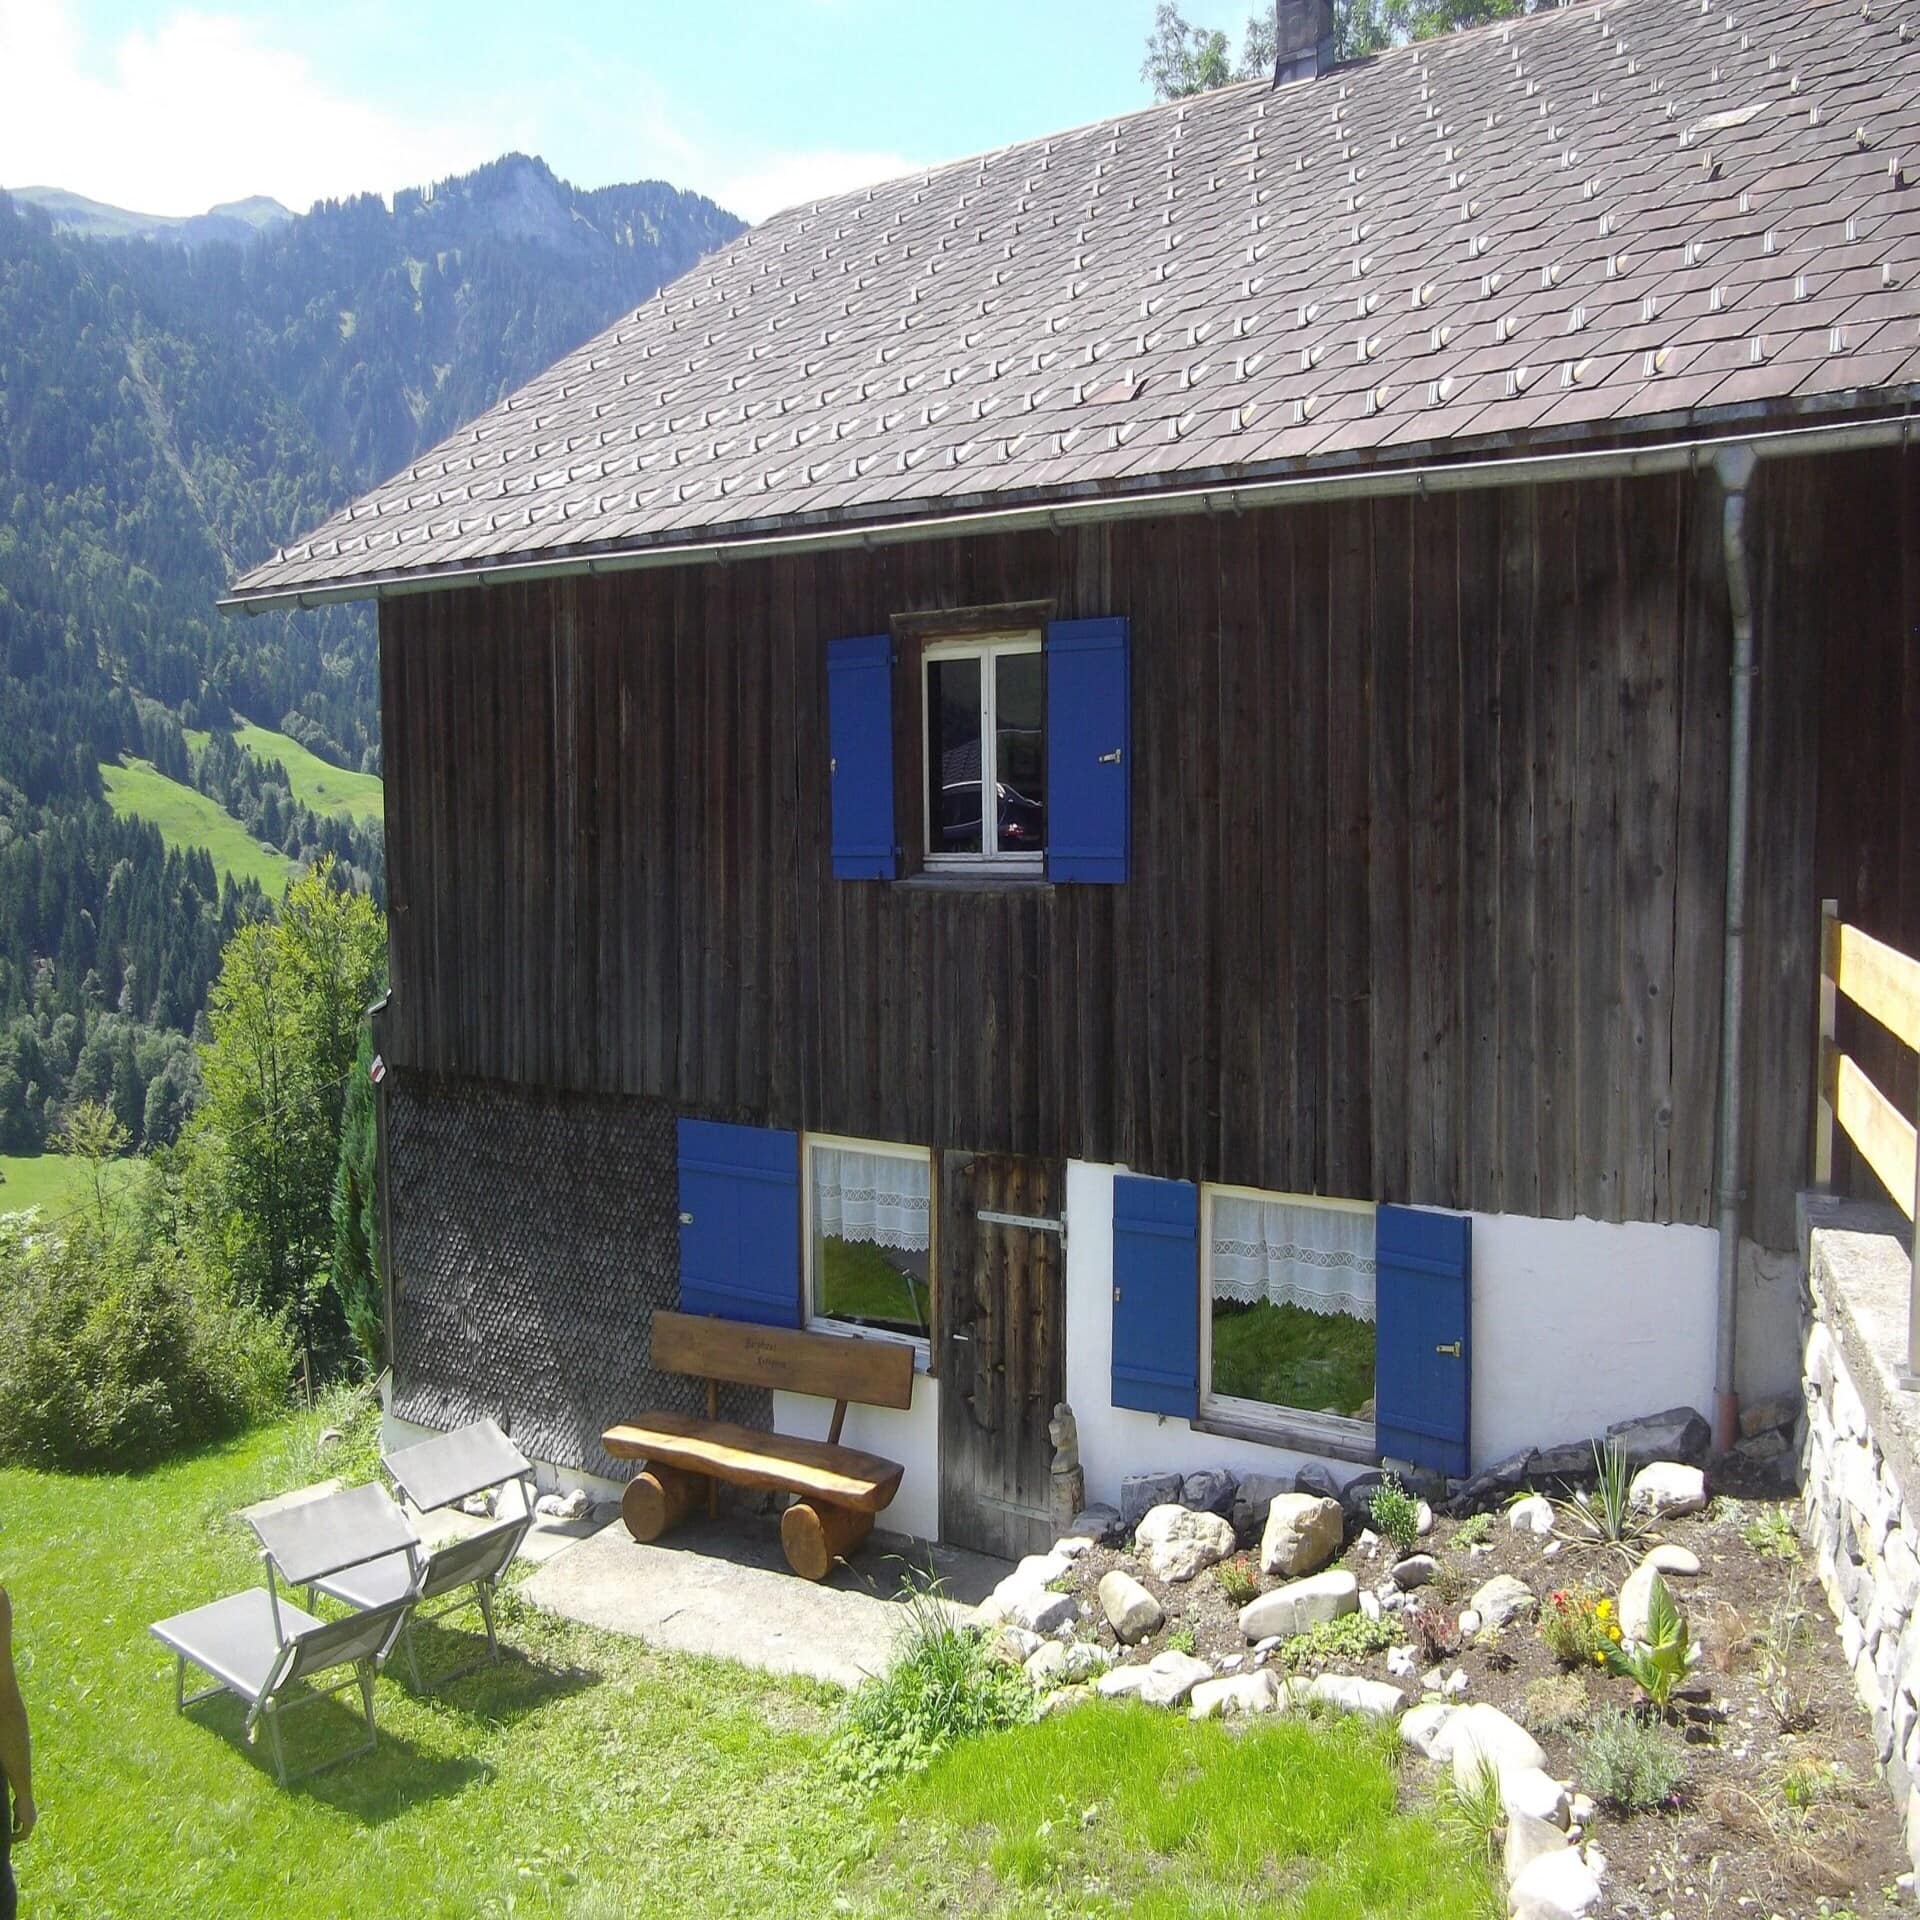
(1518, 470)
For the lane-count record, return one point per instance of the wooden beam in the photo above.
(1884, 1136)
(1879, 979)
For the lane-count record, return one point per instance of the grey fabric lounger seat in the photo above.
(258, 1647)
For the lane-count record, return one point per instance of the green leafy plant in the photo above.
(941, 1688)
(1435, 1630)
(1473, 1530)
(1772, 1535)
(1395, 1514)
(1577, 1626)
(1352, 1637)
(1238, 1581)
(1662, 1660)
(1181, 1640)
(1628, 1761)
(1606, 1517)
(1807, 1779)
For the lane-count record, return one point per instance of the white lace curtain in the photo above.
(877, 1199)
(1293, 1253)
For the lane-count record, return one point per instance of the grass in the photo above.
(1123, 1810)
(858, 1282)
(1287, 1357)
(56, 1183)
(589, 1778)
(187, 818)
(317, 784)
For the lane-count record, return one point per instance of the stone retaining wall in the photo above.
(1861, 1464)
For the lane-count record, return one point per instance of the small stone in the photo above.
(1414, 1571)
(1423, 1520)
(1420, 1726)
(1351, 1694)
(1084, 1660)
(1551, 1551)
(1581, 1809)
(1531, 1515)
(1469, 1622)
(1370, 1608)
(1503, 1598)
(1140, 1493)
(1269, 1645)
(1527, 1839)
(1244, 1693)
(1303, 1533)
(1100, 1522)
(1769, 1445)
(1678, 1434)
(1049, 1663)
(1402, 1662)
(1132, 1612)
(1673, 1561)
(1252, 1499)
(1314, 1478)
(1456, 1683)
(1301, 1604)
(1165, 1681)
(1043, 1612)
(1534, 1792)
(1667, 1488)
(1072, 1546)
(1230, 1663)
(1209, 1491)
(1479, 1737)
(1180, 1543)
(1556, 1886)
(1013, 1647)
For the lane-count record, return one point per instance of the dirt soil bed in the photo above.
(1781, 1811)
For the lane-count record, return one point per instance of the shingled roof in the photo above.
(1621, 219)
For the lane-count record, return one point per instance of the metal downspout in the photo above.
(1735, 467)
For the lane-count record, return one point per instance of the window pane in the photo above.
(953, 755)
(1020, 753)
(1292, 1303)
(871, 1235)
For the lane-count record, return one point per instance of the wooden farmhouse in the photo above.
(1189, 766)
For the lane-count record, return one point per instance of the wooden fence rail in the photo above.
(1885, 985)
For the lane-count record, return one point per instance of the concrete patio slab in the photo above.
(545, 1538)
(723, 1587)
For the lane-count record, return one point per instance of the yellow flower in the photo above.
(1614, 1632)
(1599, 1659)
(1602, 1608)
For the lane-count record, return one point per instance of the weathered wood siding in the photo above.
(1429, 811)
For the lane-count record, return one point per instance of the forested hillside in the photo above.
(168, 414)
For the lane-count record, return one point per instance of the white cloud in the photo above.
(776, 181)
(201, 109)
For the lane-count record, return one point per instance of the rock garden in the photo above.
(1611, 1664)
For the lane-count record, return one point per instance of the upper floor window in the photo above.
(986, 752)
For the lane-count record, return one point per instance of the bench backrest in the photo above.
(876, 1373)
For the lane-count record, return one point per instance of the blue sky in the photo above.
(756, 102)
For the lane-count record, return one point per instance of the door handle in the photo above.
(1451, 1349)
(1110, 759)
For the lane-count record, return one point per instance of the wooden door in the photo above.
(1002, 1321)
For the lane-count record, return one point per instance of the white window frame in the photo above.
(986, 648)
(1298, 1427)
(922, 1344)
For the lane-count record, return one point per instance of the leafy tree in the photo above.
(285, 1020)
(92, 1134)
(356, 1216)
(1183, 59)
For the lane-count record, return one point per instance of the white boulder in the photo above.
(1351, 1694)
(1132, 1612)
(1674, 1562)
(1531, 1515)
(1556, 1886)
(1300, 1604)
(1503, 1598)
(1667, 1489)
(1479, 1738)
(1527, 1839)
(1303, 1533)
(1165, 1681)
(1179, 1542)
(1420, 1726)
(1240, 1693)
(1534, 1792)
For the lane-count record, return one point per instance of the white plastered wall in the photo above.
(911, 1436)
(1576, 1324)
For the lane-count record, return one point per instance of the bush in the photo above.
(1628, 1762)
(1473, 1530)
(114, 1353)
(941, 1688)
(1395, 1514)
(1238, 1581)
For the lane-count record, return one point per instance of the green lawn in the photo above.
(588, 1777)
(54, 1182)
(859, 1282)
(316, 783)
(187, 818)
(1288, 1357)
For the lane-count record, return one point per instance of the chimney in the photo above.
(1303, 40)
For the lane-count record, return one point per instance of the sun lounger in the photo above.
(259, 1647)
(464, 1572)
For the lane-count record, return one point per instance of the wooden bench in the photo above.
(840, 1488)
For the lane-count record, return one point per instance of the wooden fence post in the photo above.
(1823, 1054)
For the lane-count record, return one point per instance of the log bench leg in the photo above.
(816, 1536)
(658, 1498)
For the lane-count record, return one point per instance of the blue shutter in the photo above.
(1089, 756)
(740, 1223)
(1423, 1297)
(860, 741)
(1156, 1295)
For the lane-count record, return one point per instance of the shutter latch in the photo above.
(1110, 759)
(686, 1219)
(1451, 1350)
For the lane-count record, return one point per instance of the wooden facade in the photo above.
(1429, 818)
